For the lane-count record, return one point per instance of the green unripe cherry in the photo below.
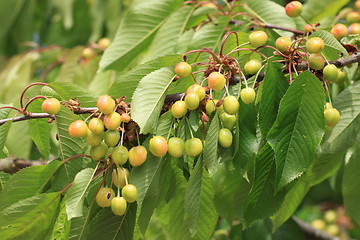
(176, 147)
(94, 139)
(247, 95)
(98, 152)
(330, 72)
(283, 44)
(252, 66)
(179, 109)
(231, 105)
(192, 101)
(317, 62)
(228, 120)
(118, 206)
(104, 197)
(258, 38)
(120, 155)
(112, 137)
(341, 77)
(193, 147)
(198, 89)
(315, 45)
(112, 120)
(129, 192)
(119, 179)
(332, 117)
(183, 69)
(96, 125)
(225, 137)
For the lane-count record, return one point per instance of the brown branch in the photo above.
(30, 115)
(297, 32)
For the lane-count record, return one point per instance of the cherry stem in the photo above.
(257, 74)
(18, 110)
(274, 48)
(225, 38)
(33, 99)
(328, 92)
(137, 136)
(75, 156)
(23, 92)
(122, 134)
(207, 50)
(187, 121)
(246, 49)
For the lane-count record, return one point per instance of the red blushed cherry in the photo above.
(158, 146)
(339, 31)
(216, 81)
(315, 45)
(51, 106)
(183, 69)
(308, 28)
(293, 9)
(125, 117)
(104, 43)
(106, 104)
(137, 155)
(78, 129)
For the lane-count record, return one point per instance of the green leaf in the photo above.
(166, 37)
(68, 147)
(199, 206)
(101, 83)
(77, 192)
(291, 202)
(71, 65)
(231, 191)
(39, 130)
(317, 10)
(148, 180)
(350, 185)
(106, 225)
(246, 127)
(347, 131)
(30, 218)
(33, 179)
(274, 87)
(271, 13)
(135, 30)
(148, 99)
(9, 11)
(298, 128)
(4, 129)
(211, 145)
(263, 201)
(62, 225)
(69, 90)
(333, 47)
(126, 83)
(4, 177)
(165, 124)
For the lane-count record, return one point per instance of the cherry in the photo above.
(315, 45)
(193, 147)
(210, 106)
(51, 106)
(353, 17)
(183, 69)
(357, 5)
(125, 117)
(192, 101)
(118, 206)
(339, 31)
(228, 120)
(104, 43)
(225, 137)
(283, 44)
(112, 120)
(231, 105)
(330, 72)
(137, 155)
(333, 230)
(318, 224)
(112, 137)
(198, 89)
(293, 9)
(93, 139)
(354, 28)
(78, 129)
(123, 174)
(106, 104)
(98, 152)
(247, 95)
(332, 117)
(258, 38)
(330, 216)
(96, 125)
(308, 28)
(87, 53)
(158, 146)
(317, 62)
(129, 192)
(252, 66)
(216, 81)
(341, 77)
(179, 109)
(176, 147)
(104, 196)
(120, 155)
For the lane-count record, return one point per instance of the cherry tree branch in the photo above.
(297, 32)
